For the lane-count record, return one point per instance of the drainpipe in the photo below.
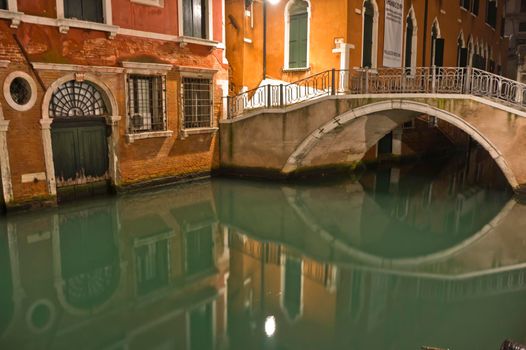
(264, 39)
(426, 6)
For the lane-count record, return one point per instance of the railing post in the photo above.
(269, 97)
(281, 97)
(433, 79)
(333, 81)
(228, 113)
(467, 82)
(366, 80)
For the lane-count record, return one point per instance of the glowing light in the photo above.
(270, 326)
(273, 2)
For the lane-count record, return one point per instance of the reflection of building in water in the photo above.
(298, 292)
(119, 276)
(317, 305)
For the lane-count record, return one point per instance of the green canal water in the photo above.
(426, 254)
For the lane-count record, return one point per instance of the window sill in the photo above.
(130, 138)
(153, 3)
(198, 41)
(65, 23)
(15, 17)
(300, 69)
(196, 131)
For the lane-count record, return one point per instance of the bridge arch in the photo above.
(405, 110)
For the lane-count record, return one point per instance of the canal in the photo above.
(397, 257)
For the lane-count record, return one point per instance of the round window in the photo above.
(20, 91)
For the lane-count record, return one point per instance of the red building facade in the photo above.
(119, 92)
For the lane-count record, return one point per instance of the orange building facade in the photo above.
(346, 34)
(115, 93)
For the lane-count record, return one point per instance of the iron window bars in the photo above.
(197, 103)
(146, 103)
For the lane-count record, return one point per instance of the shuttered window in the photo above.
(197, 102)
(195, 18)
(146, 103)
(86, 10)
(475, 7)
(298, 41)
(491, 13)
(368, 26)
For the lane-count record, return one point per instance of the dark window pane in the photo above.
(199, 254)
(367, 49)
(195, 18)
(3, 4)
(476, 5)
(86, 10)
(523, 5)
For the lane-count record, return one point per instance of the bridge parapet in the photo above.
(422, 80)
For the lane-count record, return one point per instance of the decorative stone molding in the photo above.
(196, 70)
(64, 24)
(7, 93)
(76, 68)
(15, 17)
(146, 68)
(4, 63)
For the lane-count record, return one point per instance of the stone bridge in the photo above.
(333, 118)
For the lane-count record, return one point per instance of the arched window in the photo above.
(437, 45)
(462, 52)
(471, 51)
(410, 40)
(370, 33)
(297, 34)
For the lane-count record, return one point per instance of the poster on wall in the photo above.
(393, 35)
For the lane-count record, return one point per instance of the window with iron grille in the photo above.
(197, 102)
(86, 10)
(146, 103)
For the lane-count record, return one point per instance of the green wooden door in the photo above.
(80, 151)
(298, 41)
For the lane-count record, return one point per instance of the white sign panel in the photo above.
(393, 36)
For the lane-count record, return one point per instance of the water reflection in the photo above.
(397, 258)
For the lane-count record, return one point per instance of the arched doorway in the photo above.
(89, 258)
(79, 133)
(370, 31)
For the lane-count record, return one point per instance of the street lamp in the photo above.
(272, 2)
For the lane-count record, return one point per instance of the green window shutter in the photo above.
(298, 41)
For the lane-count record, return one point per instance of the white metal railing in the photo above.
(422, 80)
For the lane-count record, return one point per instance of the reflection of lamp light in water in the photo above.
(270, 326)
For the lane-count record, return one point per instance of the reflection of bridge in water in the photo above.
(154, 263)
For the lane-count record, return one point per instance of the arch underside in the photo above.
(346, 138)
